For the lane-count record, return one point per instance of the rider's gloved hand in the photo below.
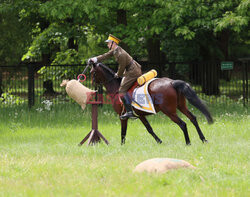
(116, 75)
(92, 60)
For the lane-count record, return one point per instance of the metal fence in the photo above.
(32, 84)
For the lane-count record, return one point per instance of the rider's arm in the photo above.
(105, 56)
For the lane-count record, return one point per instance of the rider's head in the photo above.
(112, 42)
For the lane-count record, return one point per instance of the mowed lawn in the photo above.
(39, 155)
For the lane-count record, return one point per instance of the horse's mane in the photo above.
(106, 68)
(108, 71)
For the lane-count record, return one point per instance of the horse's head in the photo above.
(97, 74)
(101, 74)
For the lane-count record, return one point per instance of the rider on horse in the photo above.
(128, 68)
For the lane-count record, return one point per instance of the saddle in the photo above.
(131, 90)
(141, 99)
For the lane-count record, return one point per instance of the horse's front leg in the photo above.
(124, 124)
(149, 128)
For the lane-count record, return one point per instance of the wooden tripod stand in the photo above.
(94, 136)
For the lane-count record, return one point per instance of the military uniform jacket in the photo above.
(128, 68)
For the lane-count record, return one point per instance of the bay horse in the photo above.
(173, 96)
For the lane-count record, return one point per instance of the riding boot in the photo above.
(127, 104)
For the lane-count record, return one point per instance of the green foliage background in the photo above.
(70, 31)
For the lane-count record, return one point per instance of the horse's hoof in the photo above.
(204, 141)
(159, 141)
(188, 144)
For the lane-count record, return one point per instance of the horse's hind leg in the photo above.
(195, 123)
(124, 124)
(149, 128)
(181, 123)
(193, 119)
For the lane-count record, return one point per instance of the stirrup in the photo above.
(127, 115)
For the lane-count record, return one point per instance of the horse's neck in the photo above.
(112, 88)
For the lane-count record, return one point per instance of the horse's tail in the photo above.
(192, 97)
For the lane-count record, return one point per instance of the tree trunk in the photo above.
(209, 72)
(153, 48)
(46, 58)
(155, 56)
(72, 44)
(223, 44)
(210, 78)
(48, 87)
(122, 19)
(195, 73)
(172, 71)
(44, 24)
(1, 82)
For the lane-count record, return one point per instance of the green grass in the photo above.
(39, 155)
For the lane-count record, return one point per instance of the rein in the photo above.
(106, 82)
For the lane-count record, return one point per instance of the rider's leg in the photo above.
(126, 99)
(126, 83)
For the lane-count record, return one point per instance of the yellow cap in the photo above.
(113, 38)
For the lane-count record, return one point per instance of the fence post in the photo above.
(245, 63)
(1, 81)
(100, 95)
(245, 82)
(246, 71)
(31, 92)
